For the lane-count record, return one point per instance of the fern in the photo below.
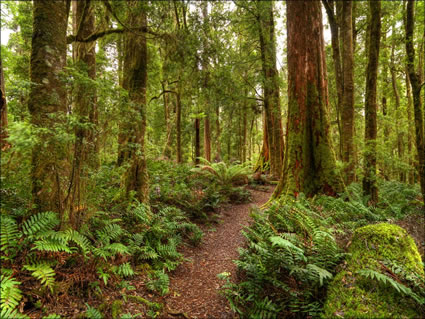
(43, 272)
(159, 282)
(39, 223)
(92, 313)
(389, 282)
(9, 234)
(10, 293)
(12, 313)
(125, 270)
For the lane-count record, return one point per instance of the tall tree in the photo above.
(205, 88)
(374, 37)
(347, 112)
(135, 178)
(309, 161)
(84, 108)
(416, 92)
(336, 56)
(47, 103)
(270, 86)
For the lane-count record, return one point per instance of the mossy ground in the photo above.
(351, 296)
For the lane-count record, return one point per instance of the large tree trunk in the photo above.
(416, 92)
(85, 110)
(271, 86)
(135, 179)
(347, 113)
(47, 104)
(309, 159)
(217, 157)
(3, 111)
(369, 180)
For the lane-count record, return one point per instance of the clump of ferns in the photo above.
(290, 257)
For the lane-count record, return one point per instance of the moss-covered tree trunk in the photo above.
(309, 158)
(47, 104)
(374, 33)
(3, 110)
(135, 178)
(416, 92)
(84, 109)
(270, 86)
(347, 112)
(178, 125)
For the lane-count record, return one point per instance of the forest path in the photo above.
(194, 286)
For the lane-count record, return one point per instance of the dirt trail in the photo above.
(194, 284)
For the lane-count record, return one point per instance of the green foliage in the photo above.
(158, 282)
(10, 293)
(42, 272)
(92, 313)
(290, 258)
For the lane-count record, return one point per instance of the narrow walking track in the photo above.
(194, 286)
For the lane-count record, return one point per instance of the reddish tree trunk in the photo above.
(309, 158)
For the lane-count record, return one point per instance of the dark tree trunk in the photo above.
(347, 114)
(197, 140)
(3, 111)
(271, 87)
(47, 104)
(178, 126)
(135, 178)
(205, 71)
(410, 132)
(309, 159)
(369, 180)
(416, 92)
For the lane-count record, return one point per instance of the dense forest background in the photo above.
(128, 126)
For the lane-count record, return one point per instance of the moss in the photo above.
(351, 296)
(116, 308)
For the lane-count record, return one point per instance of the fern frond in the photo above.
(9, 234)
(39, 223)
(42, 272)
(10, 293)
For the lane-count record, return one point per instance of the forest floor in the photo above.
(194, 285)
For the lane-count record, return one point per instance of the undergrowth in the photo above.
(292, 253)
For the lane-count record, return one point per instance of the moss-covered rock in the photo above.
(352, 296)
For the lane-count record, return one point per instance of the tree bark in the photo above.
(410, 131)
(85, 111)
(47, 104)
(135, 179)
(369, 180)
(3, 111)
(347, 114)
(178, 126)
(309, 159)
(271, 86)
(399, 133)
(205, 71)
(416, 93)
